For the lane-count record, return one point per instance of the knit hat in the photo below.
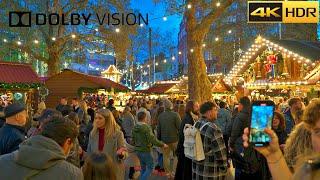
(13, 109)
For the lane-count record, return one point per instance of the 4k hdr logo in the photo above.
(283, 11)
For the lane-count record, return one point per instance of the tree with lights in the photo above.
(57, 40)
(197, 28)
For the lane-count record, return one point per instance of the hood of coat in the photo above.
(140, 127)
(39, 152)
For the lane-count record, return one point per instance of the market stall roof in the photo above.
(101, 82)
(221, 87)
(111, 70)
(306, 51)
(158, 88)
(17, 73)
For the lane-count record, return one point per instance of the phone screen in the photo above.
(261, 118)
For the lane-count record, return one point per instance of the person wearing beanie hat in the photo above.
(12, 133)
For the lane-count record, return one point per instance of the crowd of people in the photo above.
(89, 140)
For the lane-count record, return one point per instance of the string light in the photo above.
(117, 30)
(203, 45)
(191, 50)
(19, 43)
(261, 42)
(179, 53)
(73, 36)
(218, 4)
(189, 6)
(96, 29)
(165, 18)
(216, 39)
(53, 38)
(36, 41)
(5, 40)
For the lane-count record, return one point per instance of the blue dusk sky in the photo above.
(158, 10)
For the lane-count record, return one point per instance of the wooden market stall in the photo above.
(19, 83)
(112, 73)
(163, 89)
(277, 68)
(71, 84)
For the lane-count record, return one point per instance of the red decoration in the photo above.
(272, 59)
(268, 68)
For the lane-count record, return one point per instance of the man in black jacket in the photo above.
(12, 133)
(241, 121)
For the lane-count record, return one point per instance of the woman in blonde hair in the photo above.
(83, 105)
(297, 145)
(106, 137)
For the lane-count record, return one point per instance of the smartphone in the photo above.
(261, 118)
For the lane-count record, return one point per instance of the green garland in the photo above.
(95, 90)
(87, 90)
(19, 86)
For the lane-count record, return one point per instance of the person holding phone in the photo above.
(310, 169)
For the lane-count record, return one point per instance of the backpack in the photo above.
(193, 147)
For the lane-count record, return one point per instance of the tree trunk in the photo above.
(198, 81)
(199, 84)
(53, 63)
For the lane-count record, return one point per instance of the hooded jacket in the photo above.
(143, 138)
(38, 158)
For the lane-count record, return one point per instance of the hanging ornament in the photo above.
(43, 92)
(272, 59)
(17, 96)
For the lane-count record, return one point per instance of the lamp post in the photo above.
(154, 68)
(149, 74)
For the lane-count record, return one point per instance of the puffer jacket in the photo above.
(38, 158)
(10, 138)
(241, 121)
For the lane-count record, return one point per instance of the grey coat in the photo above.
(38, 158)
(110, 148)
(128, 124)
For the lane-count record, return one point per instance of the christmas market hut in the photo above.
(19, 83)
(162, 89)
(277, 68)
(70, 84)
(112, 73)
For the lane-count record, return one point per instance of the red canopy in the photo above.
(17, 73)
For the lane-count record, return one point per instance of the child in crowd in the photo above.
(99, 166)
(143, 140)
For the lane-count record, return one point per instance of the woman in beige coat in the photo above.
(106, 137)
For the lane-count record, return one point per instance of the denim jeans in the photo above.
(146, 162)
